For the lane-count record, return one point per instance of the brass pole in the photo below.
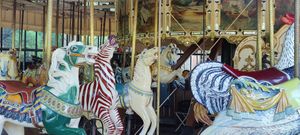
(271, 21)
(48, 33)
(258, 46)
(133, 37)
(14, 25)
(297, 35)
(155, 23)
(92, 22)
(158, 67)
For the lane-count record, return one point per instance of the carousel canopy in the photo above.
(71, 15)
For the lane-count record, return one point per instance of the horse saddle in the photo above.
(250, 96)
(18, 91)
(272, 75)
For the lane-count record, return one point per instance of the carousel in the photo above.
(116, 67)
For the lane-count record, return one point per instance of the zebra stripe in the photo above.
(99, 95)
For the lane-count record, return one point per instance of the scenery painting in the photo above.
(248, 19)
(189, 14)
(145, 20)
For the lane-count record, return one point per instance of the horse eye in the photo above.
(74, 48)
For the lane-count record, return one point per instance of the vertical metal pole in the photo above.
(1, 28)
(14, 25)
(80, 33)
(100, 31)
(78, 21)
(21, 37)
(1, 18)
(155, 23)
(70, 25)
(98, 38)
(103, 31)
(24, 58)
(158, 67)
(133, 37)
(63, 23)
(36, 44)
(48, 33)
(271, 21)
(204, 30)
(297, 35)
(92, 22)
(258, 46)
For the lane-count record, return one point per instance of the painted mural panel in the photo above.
(189, 14)
(145, 20)
(232, 8)
(248, 20)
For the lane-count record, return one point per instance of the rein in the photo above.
(140, 91)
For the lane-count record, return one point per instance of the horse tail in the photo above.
(209, 85)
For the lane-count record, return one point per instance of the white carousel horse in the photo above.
(137, 94)
(51, 106)
(8, 66)
(259, 109)
(140, 94)
(168, 57)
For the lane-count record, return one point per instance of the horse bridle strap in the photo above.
(76, 55)
(139, 91)
(166, 68)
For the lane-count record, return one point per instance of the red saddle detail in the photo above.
(18, 87)
(271, 75)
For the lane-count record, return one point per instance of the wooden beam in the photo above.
(187, 53)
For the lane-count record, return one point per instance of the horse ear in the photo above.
(144, 51)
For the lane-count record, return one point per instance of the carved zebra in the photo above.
(100, 96)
